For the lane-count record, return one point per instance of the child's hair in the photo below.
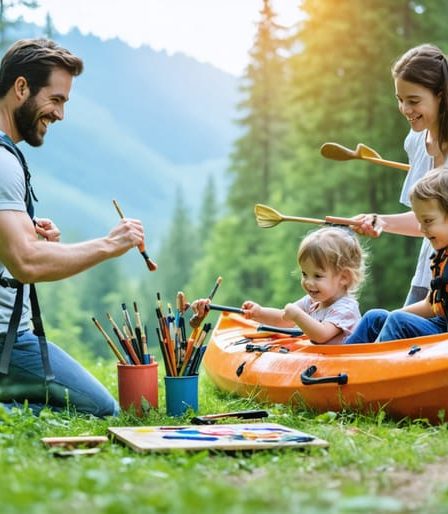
(433, 186)
(337, 249)
(427, 66)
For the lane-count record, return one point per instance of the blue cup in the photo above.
(181, 394)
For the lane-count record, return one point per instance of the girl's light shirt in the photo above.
(421, 162)
(343, 313)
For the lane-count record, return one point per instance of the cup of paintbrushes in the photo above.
(138, 389)
(181, 394)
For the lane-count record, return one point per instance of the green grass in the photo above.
(372, 465)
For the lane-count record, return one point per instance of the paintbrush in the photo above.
(152, 266)
(196, 320)
(120, 337)
(198, 351)
(141, 336)
(109, 341)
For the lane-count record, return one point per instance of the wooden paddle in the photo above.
(338, 152)
(268, 217)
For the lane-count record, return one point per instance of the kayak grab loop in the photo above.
(240, 369)
(307, 377)
(414, 349)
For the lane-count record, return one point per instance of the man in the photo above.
(35, 81)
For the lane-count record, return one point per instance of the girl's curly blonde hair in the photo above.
(336, 249)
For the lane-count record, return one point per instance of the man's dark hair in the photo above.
(35, 59)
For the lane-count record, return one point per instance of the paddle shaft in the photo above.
(390, 164)
(294, 332)
(329, 220)
(225, 308)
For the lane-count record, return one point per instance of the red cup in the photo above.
(137, 383)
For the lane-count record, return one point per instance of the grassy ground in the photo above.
(373, 465)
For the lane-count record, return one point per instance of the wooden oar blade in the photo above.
(365, 151)
(337, 152)
(266, 216)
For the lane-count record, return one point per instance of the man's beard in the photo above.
(26, 122)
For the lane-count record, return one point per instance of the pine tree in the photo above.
(256, 153)
(6, 22)
(49, 28)
(208, 213)
(343, 91)
(237, 244)
(178, 252)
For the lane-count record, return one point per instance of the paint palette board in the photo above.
(232, 437)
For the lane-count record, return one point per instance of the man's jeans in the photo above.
(381, 325)
(73, 385)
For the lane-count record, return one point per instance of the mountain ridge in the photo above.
(139, 125)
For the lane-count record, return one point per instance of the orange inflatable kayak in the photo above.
(406, 378)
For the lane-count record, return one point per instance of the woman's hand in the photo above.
(372, 225)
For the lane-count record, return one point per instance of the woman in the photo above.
(421, 88)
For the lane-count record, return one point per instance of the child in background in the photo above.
(332, 264)
(429, 200)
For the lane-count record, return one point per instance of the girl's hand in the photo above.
(291, 311)
(47, 229)
(372, 225)
(251, 310)
(200, 307)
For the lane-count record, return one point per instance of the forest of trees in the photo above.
(326, 79)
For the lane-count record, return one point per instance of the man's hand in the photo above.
(127, 234)
(47, 229)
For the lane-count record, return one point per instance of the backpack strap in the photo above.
(30, 196)
(40, 333)
(11, 335)
(439, 284)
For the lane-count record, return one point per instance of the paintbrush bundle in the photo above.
(182, 355)
(132, 338)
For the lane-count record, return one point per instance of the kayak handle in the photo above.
(307, 377)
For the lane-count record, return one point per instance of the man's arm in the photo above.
(30, 259)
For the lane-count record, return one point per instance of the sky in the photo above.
(219, 32)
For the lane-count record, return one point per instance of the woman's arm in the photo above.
(373, 225)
